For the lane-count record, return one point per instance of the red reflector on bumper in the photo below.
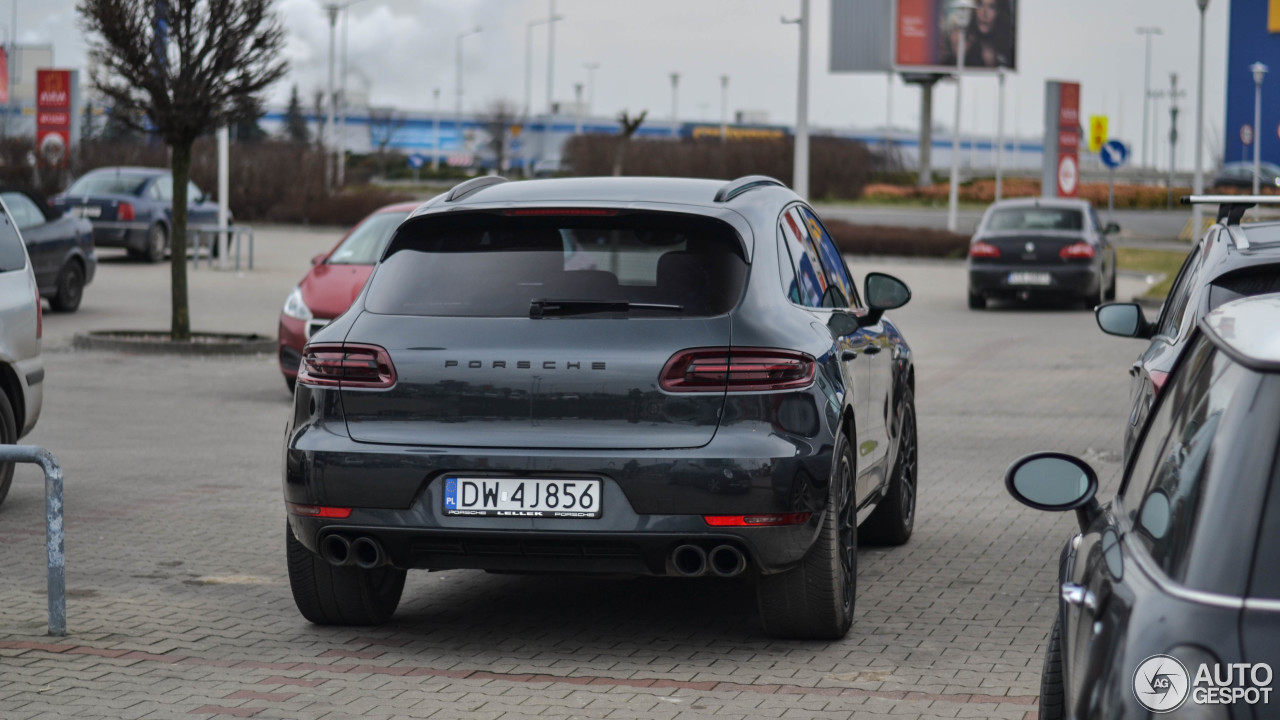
(757, 520)
(317, 511)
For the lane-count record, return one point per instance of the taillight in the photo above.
(317, 511)
(124, 213)
(1158, 379)
(346, 365)
(983, 250)
(736, 369)
(1076, 251)
(774, 520)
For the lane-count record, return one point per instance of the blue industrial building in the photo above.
(1253, 36)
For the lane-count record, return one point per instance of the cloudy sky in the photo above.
(400, 50)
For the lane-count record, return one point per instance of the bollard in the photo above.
(56, 559)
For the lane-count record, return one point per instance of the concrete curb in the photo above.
(156, 342)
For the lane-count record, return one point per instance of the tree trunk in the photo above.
(620, 155)
(180, 330)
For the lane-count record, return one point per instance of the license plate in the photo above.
(1029, 278)
(87, 211)
(522, 497)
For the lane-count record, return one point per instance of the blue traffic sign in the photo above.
(1114, 153)
(417, 161)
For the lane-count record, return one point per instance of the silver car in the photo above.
(21, 326)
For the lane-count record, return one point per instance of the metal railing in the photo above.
(56, 558)
(198, 234)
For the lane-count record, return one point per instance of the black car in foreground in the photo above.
(59, 244)
(1042, 248)
(1231, 261)
(1170, 598)
(699, 390)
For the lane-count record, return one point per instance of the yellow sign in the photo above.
(1097, 132)
(515, 130)
(1273, 17)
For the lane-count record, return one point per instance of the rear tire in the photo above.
(157, 243)
(1052, 695)
(815, 599)
(8, 436)
(328, 595)
(1111, 288)
(291, 383)
(70, 288)
(894, 518)
(977, 302)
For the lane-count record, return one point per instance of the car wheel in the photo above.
(70, 288)
(1111, 288)
(329, 595)
(8, 436)
(815, 599)
(157, 243)
(291, 383)
(977, 302)
(1052, 695)
(894, 518)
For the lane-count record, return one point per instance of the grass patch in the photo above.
(1152, 262)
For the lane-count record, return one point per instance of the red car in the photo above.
(333, 283)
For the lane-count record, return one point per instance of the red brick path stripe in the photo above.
(219, 710)
(410, 671)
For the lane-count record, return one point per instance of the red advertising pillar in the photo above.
(53, 117)
(1060, 176)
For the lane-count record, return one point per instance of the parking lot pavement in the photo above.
(179, 603)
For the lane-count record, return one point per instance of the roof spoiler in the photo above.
(1231, 207)
(734, 188)
(474, 185)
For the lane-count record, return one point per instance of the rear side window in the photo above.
(803, 252)
(12, 255)
(1248, 282)
(1176, 304)
(495, 265)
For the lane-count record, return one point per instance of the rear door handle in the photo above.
(1080, 596)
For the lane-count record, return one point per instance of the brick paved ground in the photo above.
(179, 603)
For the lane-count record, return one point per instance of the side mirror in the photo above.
(882, 292)
(1055, 482)
(1111, 229)
(1123, 319)
(318, 259)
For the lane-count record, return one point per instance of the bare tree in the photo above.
(497, 119)
(384, 123)
(187, 67)
(629, 127)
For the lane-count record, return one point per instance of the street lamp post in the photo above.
(591, 85)
(961, 12)
(1174, 94)
(1146, 89)
(1259, 72)
(457, 120)
(435, 132)
(528, 60)
(551, 54)
(724, 108)
(329, 95)
(577, 108)
(1000, 137)
(800, 163)
(675, 96)
(1197, 211)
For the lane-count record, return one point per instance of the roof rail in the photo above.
(463, 189)
(1231, 207)
(744, 184)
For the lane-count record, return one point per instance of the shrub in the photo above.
(902, 241)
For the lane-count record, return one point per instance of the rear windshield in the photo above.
(365, 243)
(492, 265)
(1260, 280)
(108, 183)
(1036, 218)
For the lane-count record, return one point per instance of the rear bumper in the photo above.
(131, 235)
(1064, 280)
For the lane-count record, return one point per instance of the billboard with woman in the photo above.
(928, 34)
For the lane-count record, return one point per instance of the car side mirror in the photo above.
(318, 259)
(1111, 229)
(882, 292)
(1123, 319)
(1056, 482)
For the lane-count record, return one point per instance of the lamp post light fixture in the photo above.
(1259, 72)
(960, 12)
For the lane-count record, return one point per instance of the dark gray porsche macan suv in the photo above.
(638, 376)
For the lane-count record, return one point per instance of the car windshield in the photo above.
(367, 240)
(108, 183)
(486, 265)
(1035, 218)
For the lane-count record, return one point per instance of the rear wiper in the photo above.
(546, 308)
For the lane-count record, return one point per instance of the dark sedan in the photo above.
(60, 247)
(132, 208)
(1240, 175)
(1039, 247)
(1169, 594)
(705, 393)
